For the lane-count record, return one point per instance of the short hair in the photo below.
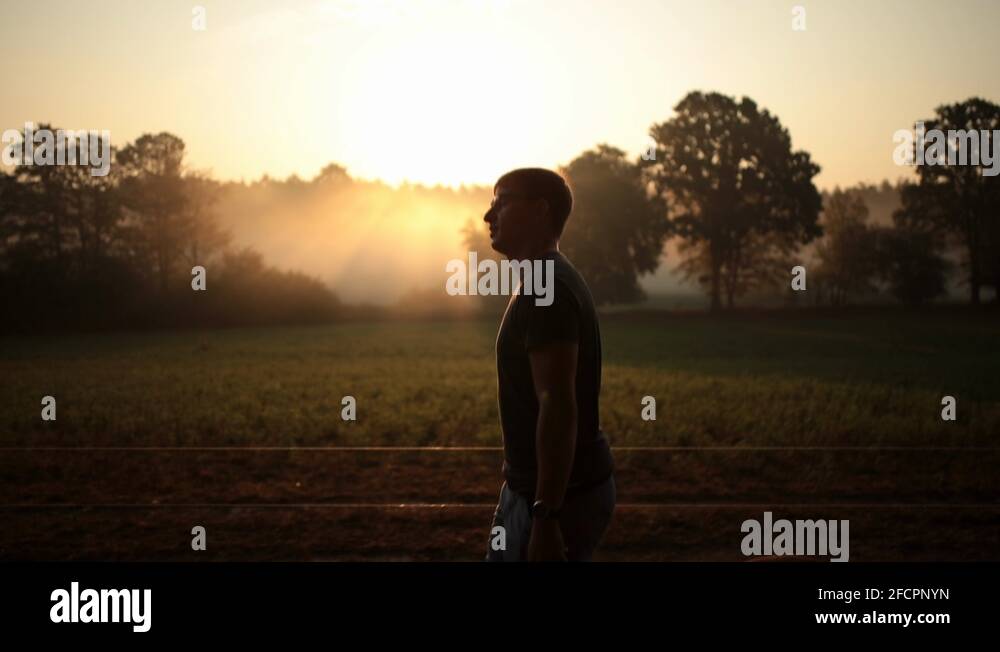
(539, 183)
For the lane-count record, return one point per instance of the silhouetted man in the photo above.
(559, 491)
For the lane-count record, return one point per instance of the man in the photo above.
(559, 491)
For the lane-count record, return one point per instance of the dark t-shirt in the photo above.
(570, 317)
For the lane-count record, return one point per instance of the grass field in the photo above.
(782, 379)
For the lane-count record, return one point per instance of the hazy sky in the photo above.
(459, 91)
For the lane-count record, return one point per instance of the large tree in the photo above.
(738, 195)
(910, 263)
(62, 212)
(60, 228)
(848, 252)
(959, 202)
(617, 229)
(169, 210)
(46, 205)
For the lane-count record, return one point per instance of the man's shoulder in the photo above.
(565, 272)
(568, 278)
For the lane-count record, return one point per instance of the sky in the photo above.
(458, 91)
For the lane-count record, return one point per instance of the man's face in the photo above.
(516, 221)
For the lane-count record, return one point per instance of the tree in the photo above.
(760, 261)
(249, 291)
(205, 236)
(170, 212)
(617, 229)
(41, 200)
(991, 248)
(959, 202)
(59, 223)
(848, 251)
(78, 250)
(738, 195)
(7, 226)
(911, 264)
(333, 175)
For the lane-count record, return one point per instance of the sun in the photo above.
(436, 108)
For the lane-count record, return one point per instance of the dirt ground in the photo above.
(436, 505)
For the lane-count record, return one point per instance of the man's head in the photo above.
(529, 210)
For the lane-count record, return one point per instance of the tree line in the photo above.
(726, 183)
(721, 179)
(113, 251)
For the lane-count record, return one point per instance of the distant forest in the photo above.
(724, 205)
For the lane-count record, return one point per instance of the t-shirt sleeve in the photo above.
(557, 322)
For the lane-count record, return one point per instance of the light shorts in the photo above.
(584, 519)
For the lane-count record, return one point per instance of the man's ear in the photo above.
(548, 214)
(543, 202)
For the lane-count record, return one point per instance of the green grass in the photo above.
(779, 379)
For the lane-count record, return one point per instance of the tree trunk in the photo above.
(975, 270)
(716, 273)
(162, 269)
(974, 287)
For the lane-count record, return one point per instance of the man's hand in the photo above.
(546, 542)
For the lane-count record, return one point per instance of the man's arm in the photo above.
(553, 370)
